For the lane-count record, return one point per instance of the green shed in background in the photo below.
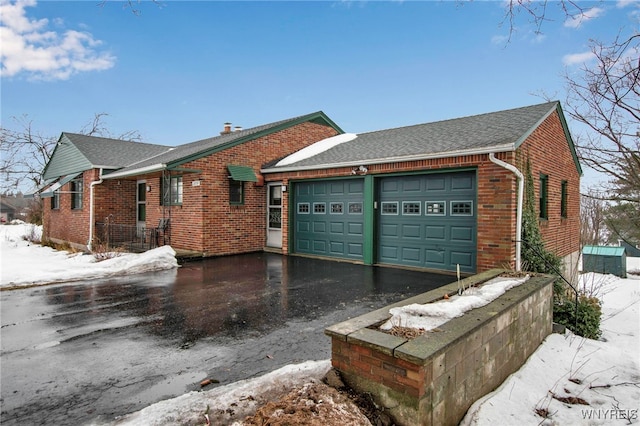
(605, 260)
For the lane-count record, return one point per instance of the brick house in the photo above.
(437, 195)
(206, 197)
(440, 195)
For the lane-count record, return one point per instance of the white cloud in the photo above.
(579, 19)
(29, 47)
(578, 58)
(624, 3)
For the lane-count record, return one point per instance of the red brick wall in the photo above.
(548, 154)
(65, 224)
(205, 221)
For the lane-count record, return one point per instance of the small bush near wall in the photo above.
(589, 313)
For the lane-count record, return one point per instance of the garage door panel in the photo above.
(435, 257)
(411, 254)
(462, 258)
(303, 244)
(434, 224)
(390, 230)
(462, 234)
(411, 231)
(356, 186)
(319, 227)
(337, 188)
(435, 184)
(320, 246)
(355, 249)
(337, 247)
(461, 182)
(355, 228)
(303, 226)
(437, 233)
(411, 185)
(328, 218)
(337, 228)
(389, 253)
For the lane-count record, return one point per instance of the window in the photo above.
(435, 207)
(389, 207)
(336, 208)
(461, 208)
(411, 208)
(303, 208)
(355, 208)
(319, 208)
(172, 191)
(55, 200)
(563, 198)
(544, 196)
(236, 191)
(76, 193)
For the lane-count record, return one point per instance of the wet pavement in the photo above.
(88, 352)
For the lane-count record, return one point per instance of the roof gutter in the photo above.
(386, 160)
(520, 177)
(149, 169)
(91, 208)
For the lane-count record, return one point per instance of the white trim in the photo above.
(520, 178)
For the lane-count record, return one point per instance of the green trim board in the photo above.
(242, 173)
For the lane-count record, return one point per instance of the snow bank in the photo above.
(431, 315)
(25, 263)
(602, 372)
(244, 397)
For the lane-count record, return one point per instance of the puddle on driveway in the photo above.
(233, 296)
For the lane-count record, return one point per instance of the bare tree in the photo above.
(23, 155)
(606, 99)
(593, 227)
(24, 152)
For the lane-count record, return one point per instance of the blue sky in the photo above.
(178, 70)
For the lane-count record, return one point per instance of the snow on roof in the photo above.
(316, 148)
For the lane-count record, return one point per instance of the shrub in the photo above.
(589, 314)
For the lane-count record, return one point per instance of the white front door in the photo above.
(274, 215)
(141, 206)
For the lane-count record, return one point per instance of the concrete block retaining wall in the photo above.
(433, 379)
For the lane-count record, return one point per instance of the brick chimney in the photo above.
(237, 128)
(227, 129)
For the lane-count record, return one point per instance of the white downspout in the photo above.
(91, 213)
(520, 177)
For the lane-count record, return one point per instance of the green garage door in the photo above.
(328, 218)
(428, 221)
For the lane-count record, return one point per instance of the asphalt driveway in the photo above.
(88, 352)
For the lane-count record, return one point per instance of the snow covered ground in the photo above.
(565, 369)
(25, 264)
